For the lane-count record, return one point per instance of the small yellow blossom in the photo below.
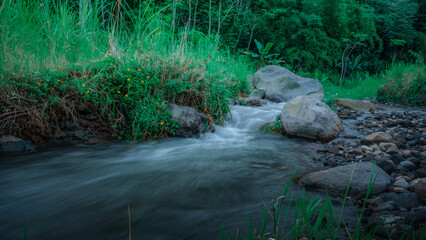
(129, 84)
(128, 79)
(88, 91)
(131, 59)
(158, 104)
(143, 81)
(39, 83)
(60, 66)
(139, 69)
(111, 64)
(84, 76)
(118, 91)
(83, 85)
(128, 69)
(126, 95)
(140, 100)
(147, 76)
(161, 123)
(59, 80)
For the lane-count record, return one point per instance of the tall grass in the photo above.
(39, 35)
(50, 48)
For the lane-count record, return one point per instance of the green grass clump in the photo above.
(59, 55)
(406, 84)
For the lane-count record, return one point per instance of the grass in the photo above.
(124, 65)
(313, 218)
(400, 83)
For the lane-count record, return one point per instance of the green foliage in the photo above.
(406, 83)
(263, 56)
(273, 127)
(69, 54)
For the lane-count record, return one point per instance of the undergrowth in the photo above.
(405, 83)
(57, 56)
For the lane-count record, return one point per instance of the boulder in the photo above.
(190, 122)
(357, 105)
(308, 117)
(252, 101)
(282, 85)
(336, 180)
(10, 143)
(259, 93)
(379, 137)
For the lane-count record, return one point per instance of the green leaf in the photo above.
(258, 45)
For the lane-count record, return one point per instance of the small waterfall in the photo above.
(252, 118)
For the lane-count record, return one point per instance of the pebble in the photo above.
(401, 183)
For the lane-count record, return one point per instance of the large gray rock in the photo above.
(282, 85)
(10, 143)
(357, 105)
(336, 180)
(190, 122)
(308, 117)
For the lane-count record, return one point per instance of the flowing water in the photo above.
(175, 188)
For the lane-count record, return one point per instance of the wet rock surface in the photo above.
(307, 117)
(396, 141)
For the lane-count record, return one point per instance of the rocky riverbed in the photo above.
(394, 137)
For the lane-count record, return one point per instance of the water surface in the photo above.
(175, 188)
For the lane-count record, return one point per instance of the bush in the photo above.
(406, 84)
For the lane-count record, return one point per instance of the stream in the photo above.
(174, 188)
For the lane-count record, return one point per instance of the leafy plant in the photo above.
(263, 56)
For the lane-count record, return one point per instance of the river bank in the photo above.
(394, 138)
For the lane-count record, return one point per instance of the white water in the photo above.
(177, 188)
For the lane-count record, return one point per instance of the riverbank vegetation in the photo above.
(123, 61)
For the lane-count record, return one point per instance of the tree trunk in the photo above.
(210, 18)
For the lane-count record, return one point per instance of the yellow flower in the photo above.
(140, 100)
(128, 69)
(126, 95)
(161, 123)
(158, 104)
(147, 76)
(128, 79)
(139, 69)
(84, 76)
(83, 85)
(109, 54)
(129, 84)
(78, 64)
(143, 81)
(59, 80)
(107, 76)
(39, 83)
(118, 91)
(131, 59)
(88, 91)
(60, 66)
(111, 64)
